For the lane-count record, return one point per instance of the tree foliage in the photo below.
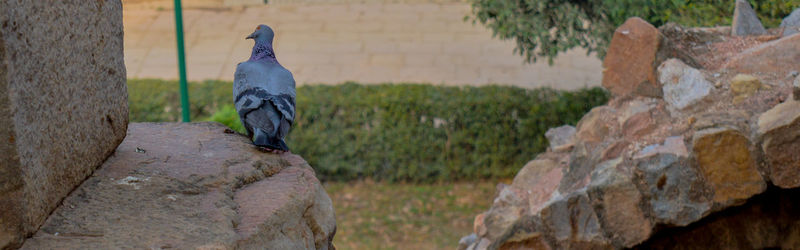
(545, 28)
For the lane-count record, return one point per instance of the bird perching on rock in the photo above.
(264, 94)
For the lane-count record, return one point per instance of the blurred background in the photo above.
(410, 111)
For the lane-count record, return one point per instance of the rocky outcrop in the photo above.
(672, 170)
(636, 50)
(791, 24)
(778, 57)
(745, 20)
(192, 186)
(63, 103)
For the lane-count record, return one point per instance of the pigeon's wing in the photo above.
(281, 86)
(243, 80)
(265, 100)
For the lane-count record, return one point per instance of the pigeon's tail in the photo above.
(262, 139)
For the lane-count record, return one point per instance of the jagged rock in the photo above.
(727, 164)
(676, 191)
(745, 20)
(791, 24)
(641, 173)
(796, 88)
(636, 50)
(628, 63)
(63, 104)
(777, 57)
(509, 206)
(573, 224)
(767, 221)
(561, 138)
(466, 241)
(539, 178)
(743, 86)
(617, 203)
(779, 129)
(180, 185)
(596, 125)
(683, 85)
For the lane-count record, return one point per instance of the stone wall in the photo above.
(63, 103)
(701, 121)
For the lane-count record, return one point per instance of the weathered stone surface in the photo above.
(683, 86)
(779, 129)
(596, 125)
(796, 88)
(676, 191)
(791, 24)
(745, 20)
(507, 209)
(466, 241)
(630, 60)
(743, 86)
(724, 159)
(617, 203)
(777, 57)
(178, 185)
(644, 167)
(63, 103)
(561, 138)
(766, 221)
(573, 224)
(539, 178)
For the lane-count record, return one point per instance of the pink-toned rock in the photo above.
(639, 125)
(779, 57)
(672, 145)
(189, 186)
(618, 204)
(479, 227)
(539, 178)
(630, 59)
(596, 125)
(779, 129)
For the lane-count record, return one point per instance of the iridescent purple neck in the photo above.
(262, 51)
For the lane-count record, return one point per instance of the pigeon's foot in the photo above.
(229, 131)
(269, 150)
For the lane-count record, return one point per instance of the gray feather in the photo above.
(264, 96)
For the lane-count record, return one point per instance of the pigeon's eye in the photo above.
(258, 28)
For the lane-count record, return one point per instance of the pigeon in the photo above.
(264, 94)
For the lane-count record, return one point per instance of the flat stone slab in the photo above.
(190, 186)
(63, 104)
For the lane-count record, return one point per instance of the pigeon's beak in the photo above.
(251, 36)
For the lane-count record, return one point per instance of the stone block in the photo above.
(779, 129)
(617, 202)
(791, 24)
(725, 160)
(192, 186)
(683, 85)
(745, 20)
(779, 56)
(743, 86)
(629, 61)
(63, 103)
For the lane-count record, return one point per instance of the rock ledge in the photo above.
(175, 185)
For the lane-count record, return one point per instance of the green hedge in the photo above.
(400, 132)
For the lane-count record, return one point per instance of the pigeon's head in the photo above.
(263, 33)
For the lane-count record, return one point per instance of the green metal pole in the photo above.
(181, 61)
